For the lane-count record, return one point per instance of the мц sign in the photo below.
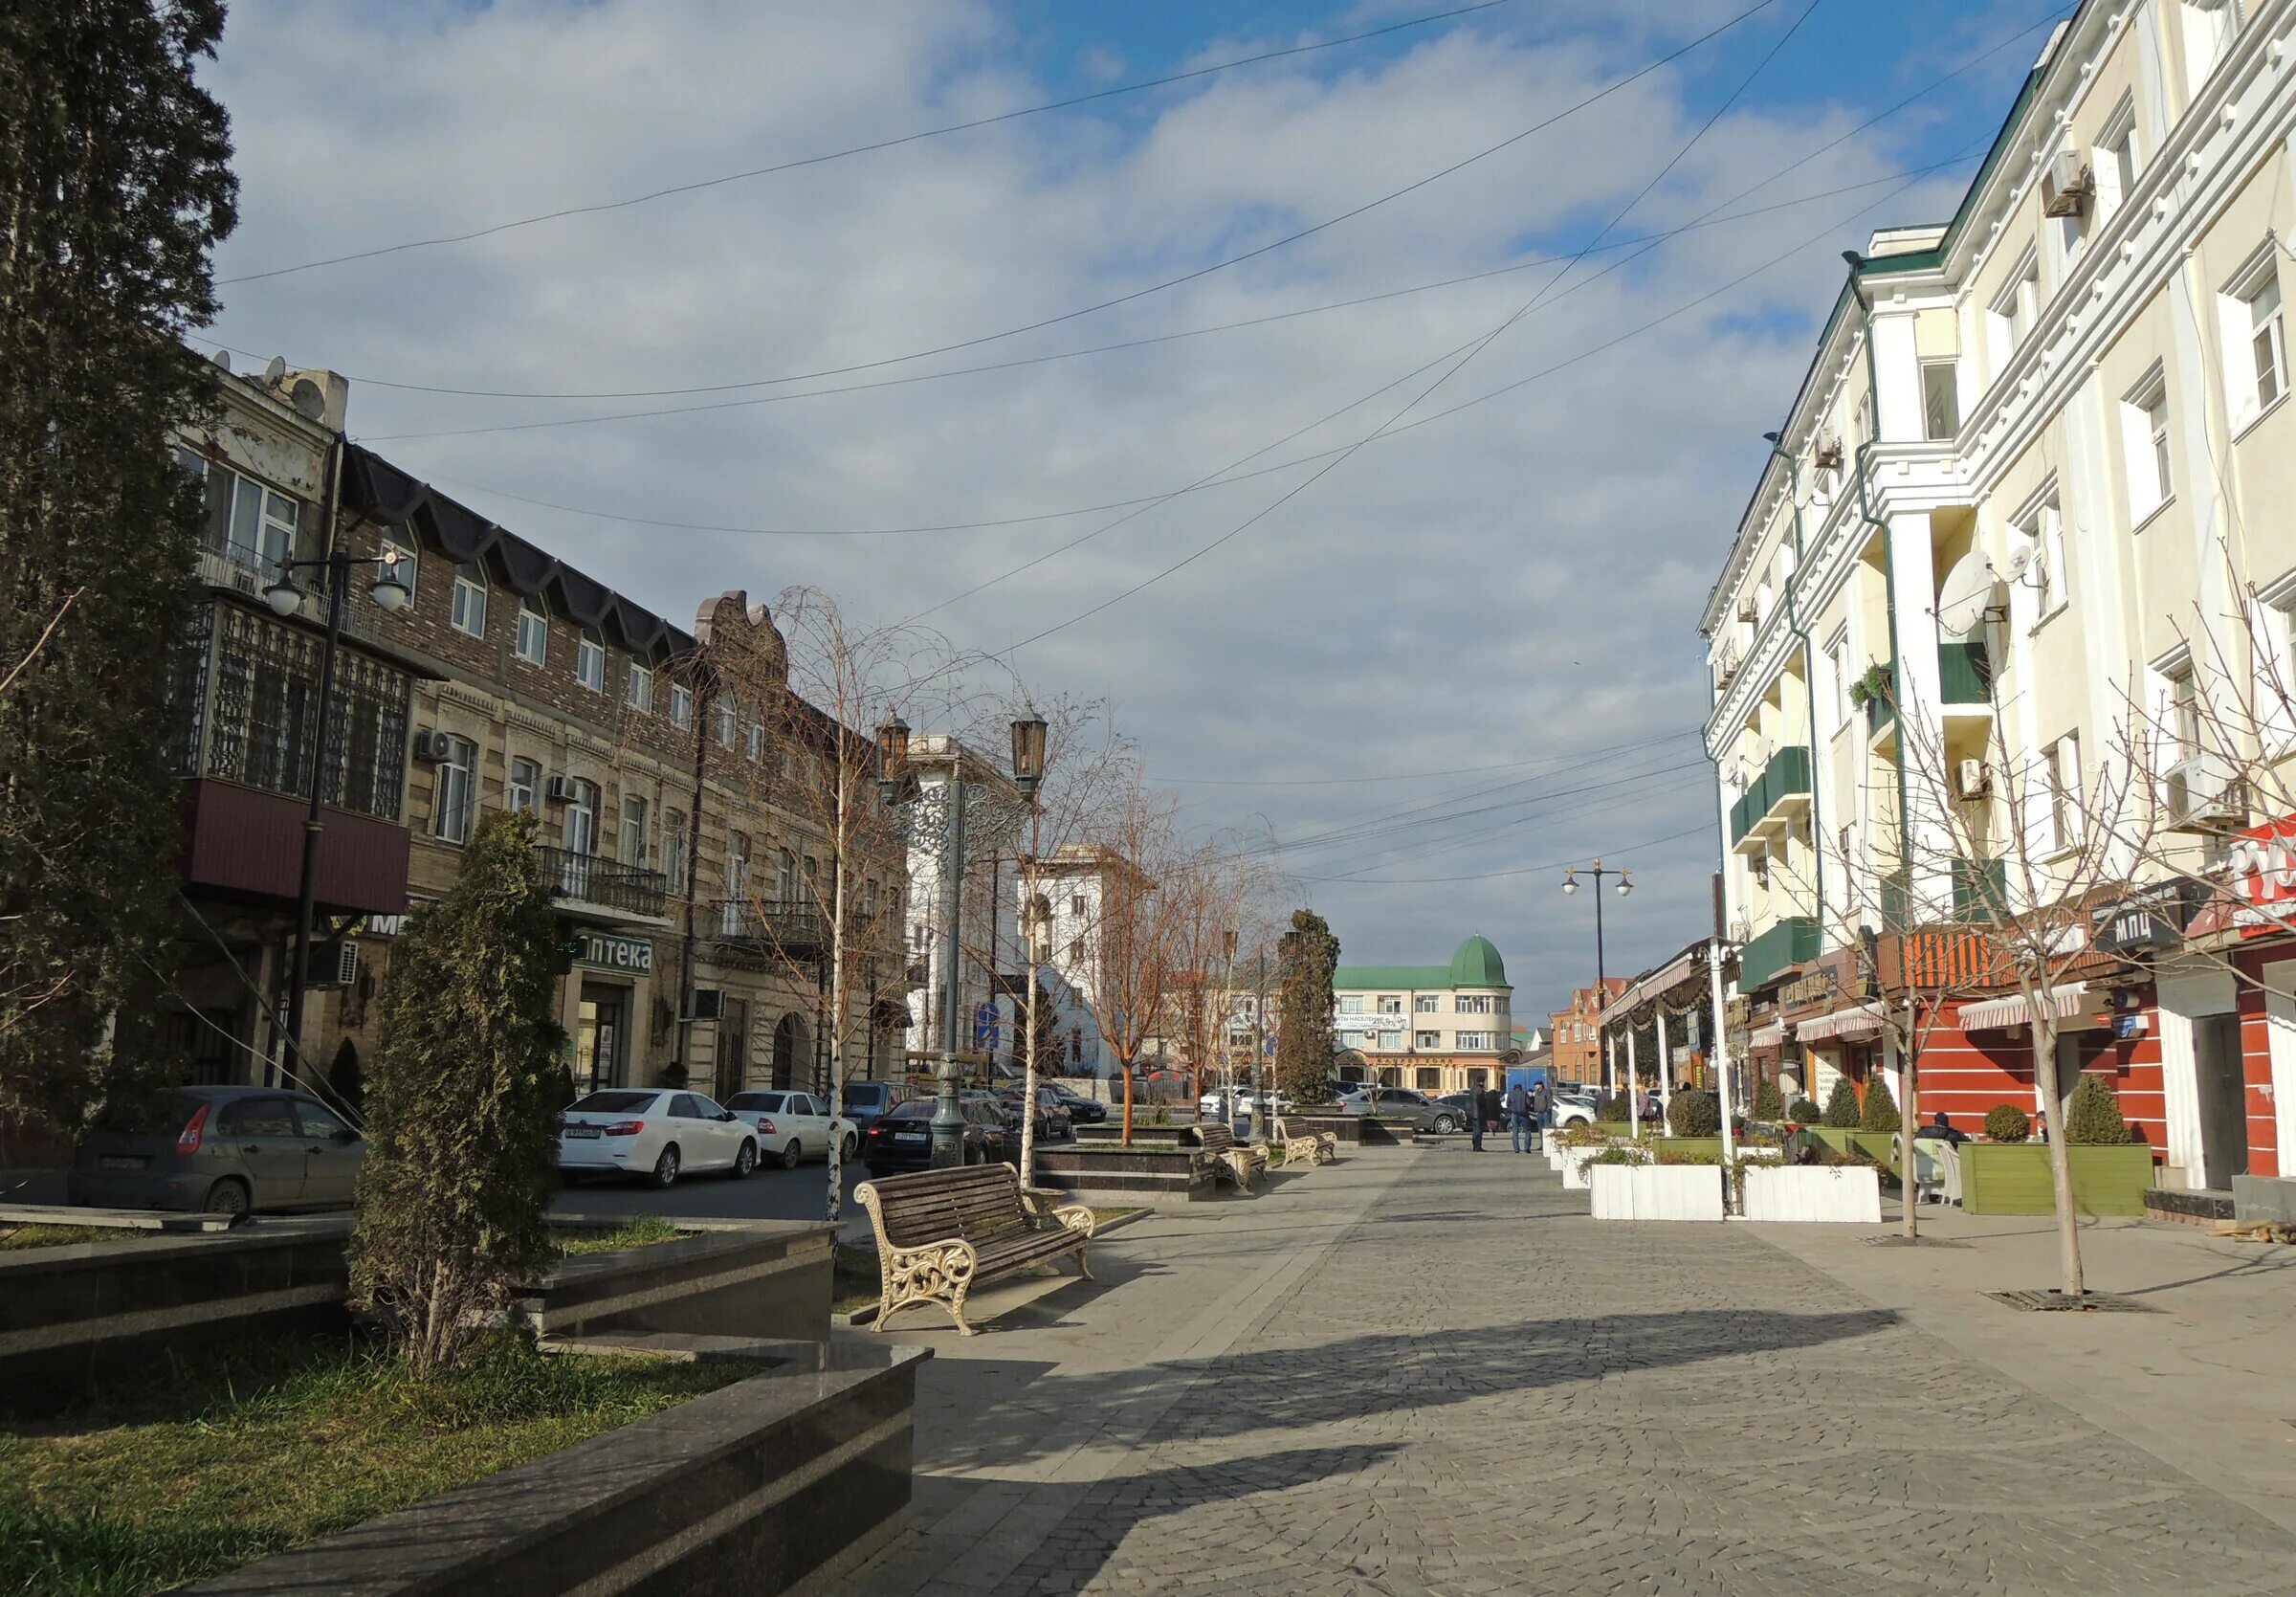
(2262, 866)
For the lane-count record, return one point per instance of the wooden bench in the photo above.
(1242, 1161)
(942, 1233)
(1319, 1147)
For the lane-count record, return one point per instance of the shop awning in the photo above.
(1994, 1013)
(1771, 1035)
(1858, 1020)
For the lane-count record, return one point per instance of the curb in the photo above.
(867, 1314)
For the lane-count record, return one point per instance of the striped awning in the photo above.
(1771, 1035)
(1858, 1020)
(1994, 1013)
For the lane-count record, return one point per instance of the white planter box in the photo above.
(1573, 1164)
(1656, 1191)
(1806, 1192)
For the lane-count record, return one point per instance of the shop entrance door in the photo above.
(598, 1039)
(733, 1048)
(2216, 1070)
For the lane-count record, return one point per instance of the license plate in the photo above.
(121, 1161)
(911, 1136)
(589, 1131)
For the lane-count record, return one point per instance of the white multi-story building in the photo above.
(2041, 473)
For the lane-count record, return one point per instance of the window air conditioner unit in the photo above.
(1828, 457)
(429, 747)
(1747, 610)
(558, 789)
(709, 1004)
(1971, 780)
(335, 963)
(1740, 932)
(2069, 186)
(2204, 794)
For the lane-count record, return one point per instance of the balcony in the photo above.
(1771, 802)
(1786, 943)
(236, 568)
(248, 845)
(589, 888)
(1980, 887)
(1965, 683)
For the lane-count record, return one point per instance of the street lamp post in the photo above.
(285, 598)
(1570, 884)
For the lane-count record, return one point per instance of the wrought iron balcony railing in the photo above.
(584, 878)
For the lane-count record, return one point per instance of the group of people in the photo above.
(1526, 1108)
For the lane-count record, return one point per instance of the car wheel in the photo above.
(1444, 1125)
(665, 1169)
(228, 1197)
(746, 1160)
(850, 1146)
(791, 1152)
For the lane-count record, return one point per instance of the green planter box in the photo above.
(1619, 1130)
(1878, 1145)
(1709, 1147)
(2013, 1177)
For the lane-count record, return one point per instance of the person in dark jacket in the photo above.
(1521, 1125)
(1943, 1130)
(1486, 1113)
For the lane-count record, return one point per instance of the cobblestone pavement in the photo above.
(1468, 1386)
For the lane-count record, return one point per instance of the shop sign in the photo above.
(601, 952)
(2263, 865)
(2145, 922)
(1824, 985)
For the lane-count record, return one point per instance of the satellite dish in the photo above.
(1968, 594)
(223, 358)
(309, 402)
(2020, 560)
(273, 369)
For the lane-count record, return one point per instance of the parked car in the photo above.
(1244, 1099)
(225, 1150)
(1053, 1122)
(904, 1140)
(656, 1133)
(1417, 1110)
(793, 1126)
(1082, 1110)
(866, 1100)
(1463, 1103)
(1570, 1109)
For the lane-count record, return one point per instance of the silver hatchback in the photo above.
(225, 1150)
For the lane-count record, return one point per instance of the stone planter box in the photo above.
(1137, 1175)
(2264, 1198)
(2013, 1177)
(76, 1316)
(1112, 1130)
(1807, 1192)
(1656, 1191)
(769, 1279)
(1348, 1128)
(795, 1476)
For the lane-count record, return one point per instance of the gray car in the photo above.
(225, 1150)
(1405, 1107)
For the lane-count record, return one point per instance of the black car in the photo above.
(1465, 1105)
(865, 1103)
(1053, 1121)
(904, 1140)
(1082, 1110)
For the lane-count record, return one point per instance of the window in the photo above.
(634, 850)
(1426, 1039)
(2274, 648)
(674, 849)
(2042, 528)
(2208, 28)
(641, 688)
(1479, 1005)
(727, 722)
(1391, 1004)
(1076, 903)
(737, 865)
(524, 788)
(2145, 446)
(1352, 1006)
(784, 881)
(1476, 1039)
(582, 817)
(534, 634)
(2256, 356)
(2060, 770)
(2115, 162)
(1427, 1004)
(2179, 712)
(1430, 1079)
(1836, 671)
(590, 660)
(246, 523)
(757, 741)
(2016, 308)
(451, 790)
(681, 705)
(469, 614)
(1940, 400)
(398, 564)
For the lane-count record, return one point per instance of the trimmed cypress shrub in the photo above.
(1769, 1104)
(1695, 1114)
(1842, 1107)
(2006, 1122)
(2092, 1115)
(1803, 1111)
(1880, 1113)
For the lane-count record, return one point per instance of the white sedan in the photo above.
(659, 1134)
(790, 1126)
(1242, 1099)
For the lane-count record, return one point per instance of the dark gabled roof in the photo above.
(374, 488)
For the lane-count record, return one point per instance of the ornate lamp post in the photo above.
(285, 598)
(1570, 884)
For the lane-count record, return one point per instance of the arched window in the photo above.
(470, 600)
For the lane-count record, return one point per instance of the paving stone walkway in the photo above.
(1430, 1372)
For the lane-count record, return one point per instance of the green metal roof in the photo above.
(1476, 965)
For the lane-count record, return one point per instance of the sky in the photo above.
(1433, 650)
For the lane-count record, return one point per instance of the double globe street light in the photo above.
(1570, 886)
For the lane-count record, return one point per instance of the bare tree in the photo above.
(1134, 922)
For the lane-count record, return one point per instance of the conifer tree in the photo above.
(1305, 1044)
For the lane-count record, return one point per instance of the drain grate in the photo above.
(2098, 1302)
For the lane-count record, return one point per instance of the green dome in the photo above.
(1477, 964)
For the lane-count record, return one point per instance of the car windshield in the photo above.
(611, 1103)
(864, 1095)
(770, 1103)
(915, 1109)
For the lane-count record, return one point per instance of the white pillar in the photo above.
(1720, 1054)
(1666, 1070)
(1610, 1060)
(1634, 1085)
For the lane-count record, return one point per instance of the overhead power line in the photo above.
(1400, 776)
(1625, 852)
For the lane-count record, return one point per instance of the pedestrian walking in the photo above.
(1542, 1104)
(1487, 1112)
(1519, 1124)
